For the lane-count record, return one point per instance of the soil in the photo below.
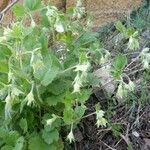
(135, 130)
(103, 11)
(106, 11)
(134, 118)
(133, 115)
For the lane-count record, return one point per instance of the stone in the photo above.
(106, 79)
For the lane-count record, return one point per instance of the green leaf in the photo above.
(49, 76)
(44, 42)
(12, 137)
(50, 137)
(37, 143)
(23, 125)
(79, 112)
(86, 38)
(32, 5)
(5, 52)
(130, 31)
(47, 71)
(3, 133)
(84, 95)
(19, 144)
(116, 129)
(4, 67)
(93, 80)
(7, 147)
(18, 10)
(68, 100)
(119, 62)
(59, 86)
(60, 145)
(44, 19)
(119, 26)
(68, 116)
(9, 137)
(53, 100)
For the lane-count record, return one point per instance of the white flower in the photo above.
(77, 84)
(101, 122)
(100, 114)
(50, 121)
(120, 91)
(8, 98)
(146, 64)
(59, 27)
(131, 85)
(30, 98)
(8, 107)
(82, 67)
(70, 136)
(10, 76)
(33, 24)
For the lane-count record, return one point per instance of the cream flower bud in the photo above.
(70, 137)
(100, 114)
(131, 85)
(30, 98)
(101, 122)
(50, 121)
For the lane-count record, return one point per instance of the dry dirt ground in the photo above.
(130, 120)
(133, 118)
(103, 11)
(135, 131)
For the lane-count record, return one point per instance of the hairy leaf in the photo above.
(32, 5)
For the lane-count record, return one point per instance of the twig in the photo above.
(108, 145)
(103, 130)
(134, 60)
(136, 122)
(118, 142)
(4, 11)
(8, 7)
(132, 53)
(142, 69)
(126, 137)
(91, 114)
(130, 69)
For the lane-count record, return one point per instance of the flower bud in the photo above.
(30, 98)
(70, 137)
(100, 114)
(50, 121)
(101, 122)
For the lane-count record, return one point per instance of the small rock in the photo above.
(106, 78)
(135, 134)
